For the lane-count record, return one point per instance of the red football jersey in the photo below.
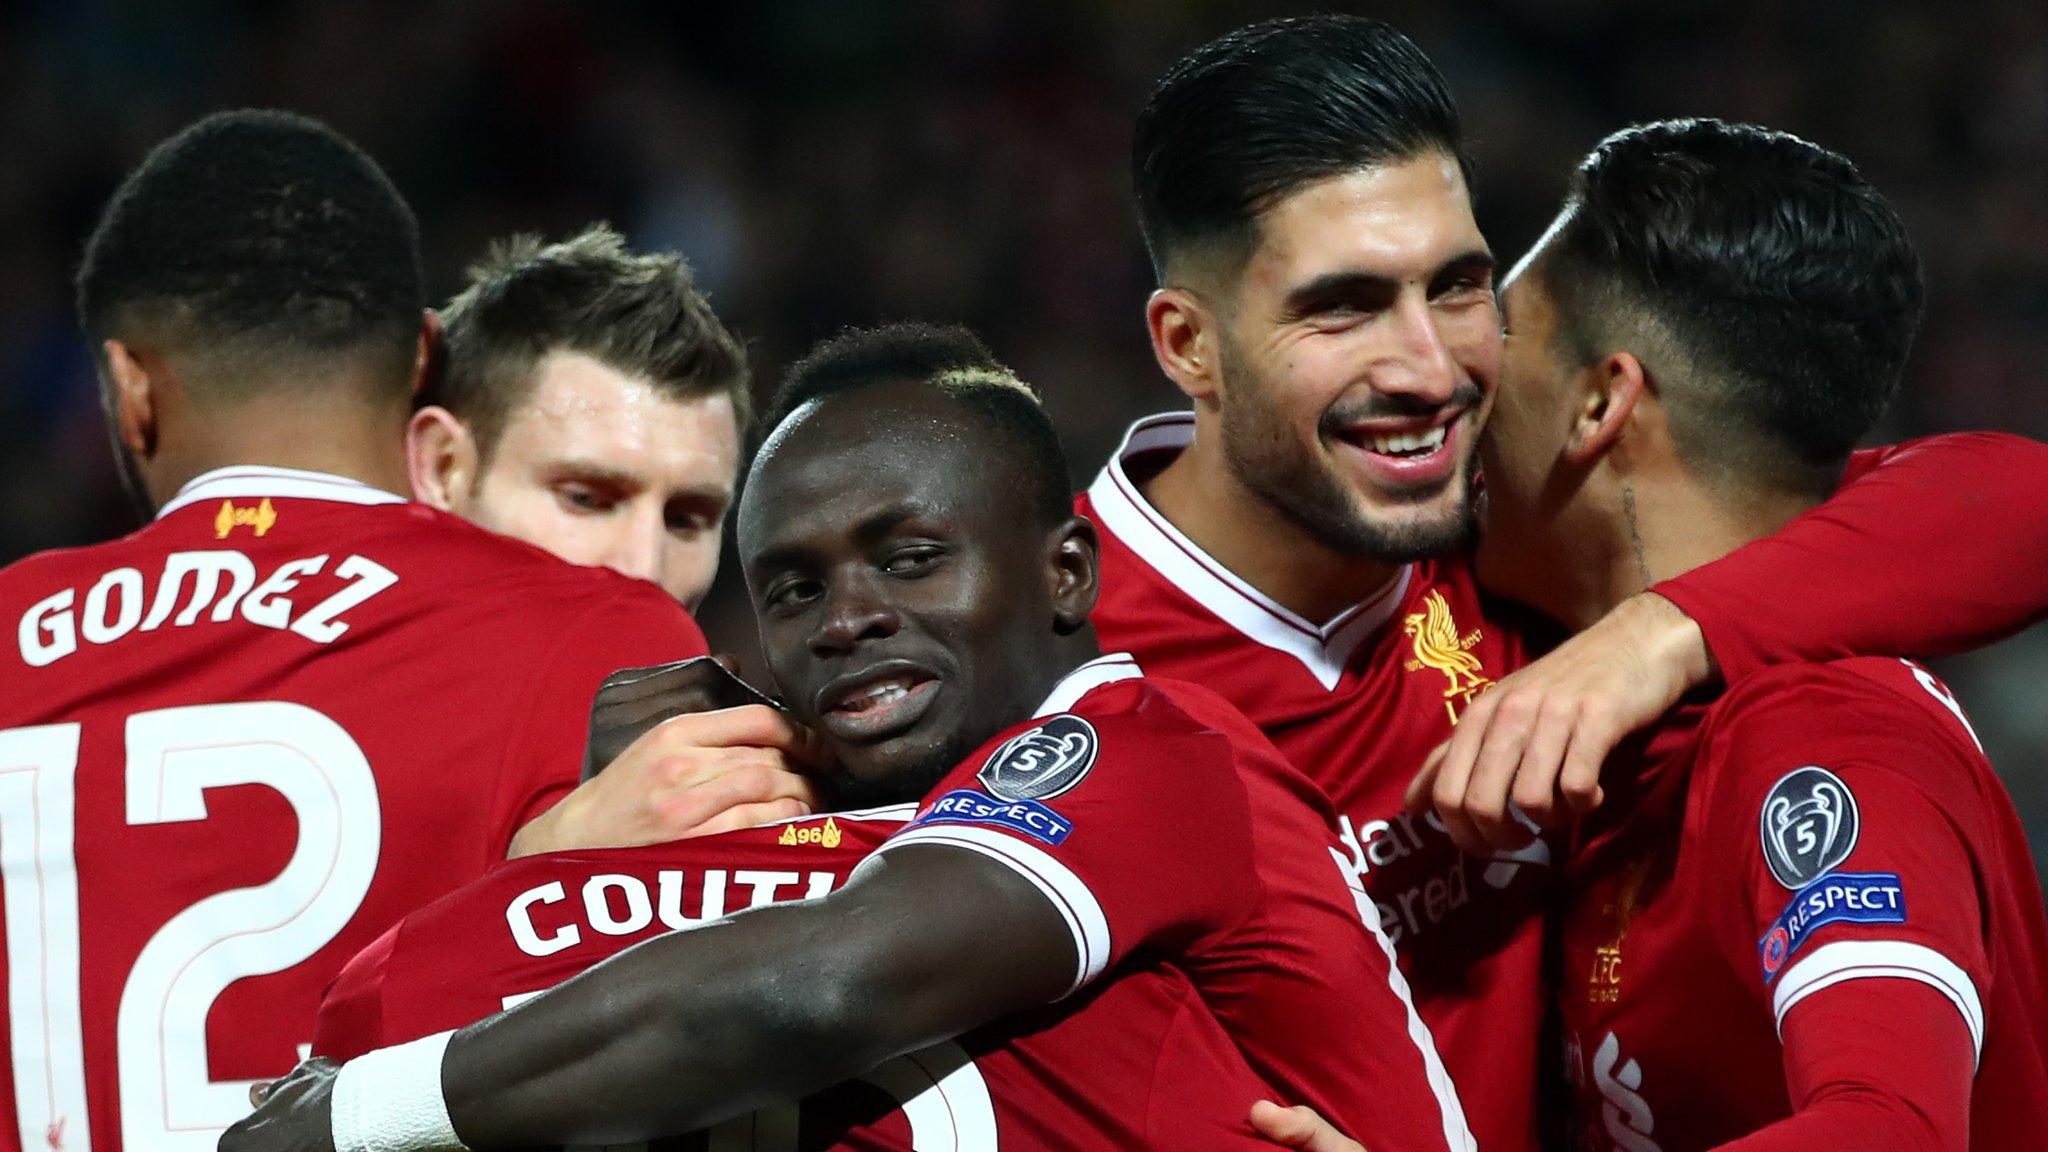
(535, 922)
(237, 745)
(1165, 826)
(1213, 913)
(1356, 703)
(1821, 831)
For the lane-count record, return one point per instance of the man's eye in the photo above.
(790, 593)
(578, 498)
(1466, 290)
(695, 520)
(911, 561)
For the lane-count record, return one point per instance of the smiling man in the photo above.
(1135, 917)
(1299, 541)
(590, 404)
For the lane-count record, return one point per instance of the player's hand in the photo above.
(690, 775)
(294, 1114)
(1299, 1127)
(1537, 740)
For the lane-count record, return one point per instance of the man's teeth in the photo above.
(1410, 444)
(881, 692)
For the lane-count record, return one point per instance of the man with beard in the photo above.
(235, 745)
(1135, 917)
(1298, 540)
(1806, 916)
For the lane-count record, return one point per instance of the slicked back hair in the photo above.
(1782, 286)
(1254, 115)
(955, 362)
(266, 249)
(638, 313)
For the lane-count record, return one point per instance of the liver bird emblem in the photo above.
(1439, 646)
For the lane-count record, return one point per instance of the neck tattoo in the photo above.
(1635, 535)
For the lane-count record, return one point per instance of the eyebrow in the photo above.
(592, 470)
(603, 473)
(873, 527)
(1304, 297)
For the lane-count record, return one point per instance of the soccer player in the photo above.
(1298, 542)
(590, 404)
(239, 743)
(1113, 885)
(1806, 915)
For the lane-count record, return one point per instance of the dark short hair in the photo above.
(1782, 281)
(1256, 114)
(265, 243)
(638, 313)
(954, 361)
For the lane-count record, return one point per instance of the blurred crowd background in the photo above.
(833, 162)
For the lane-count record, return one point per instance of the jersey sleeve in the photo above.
(1891, 1072)
(636, 626)
(351, 1020)
(1956, 524)
(1136, 828)
(1845, 816)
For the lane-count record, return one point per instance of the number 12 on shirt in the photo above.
(173, 756)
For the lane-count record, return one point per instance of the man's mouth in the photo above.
(1409, 454)
(1409, 445)
(877, 703)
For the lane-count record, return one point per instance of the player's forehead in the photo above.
(852, 459)
(1401, 219)
(580, 408)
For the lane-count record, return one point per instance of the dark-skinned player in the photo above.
(1112, 887)
(294, 706)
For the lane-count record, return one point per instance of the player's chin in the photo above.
(1404, 525)
(895, 771)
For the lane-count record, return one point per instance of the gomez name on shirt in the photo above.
(124, 602)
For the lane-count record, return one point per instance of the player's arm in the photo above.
(689, 1028)
(1959, 521)
(1848, 901)
(1862, 1070)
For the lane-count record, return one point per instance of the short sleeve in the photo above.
(1134, 826)
(351, 1020)
(1844, 815)
(637, 626)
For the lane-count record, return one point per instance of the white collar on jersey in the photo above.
(1087, 678)
(251, 481)
(1127, 515)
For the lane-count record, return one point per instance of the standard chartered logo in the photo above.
(1626, 1115)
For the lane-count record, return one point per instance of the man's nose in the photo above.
(638, 547)
(853, 614)
(1418, 364)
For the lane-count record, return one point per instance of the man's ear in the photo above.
(134, 400)
(1184, 340)
(1075, 568)
(429, 355)
(1614, 386)
(440, 458)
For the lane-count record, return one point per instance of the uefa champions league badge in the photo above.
(1809, 826)
(1042, 761)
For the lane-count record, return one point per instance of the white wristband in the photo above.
(390, 1101)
